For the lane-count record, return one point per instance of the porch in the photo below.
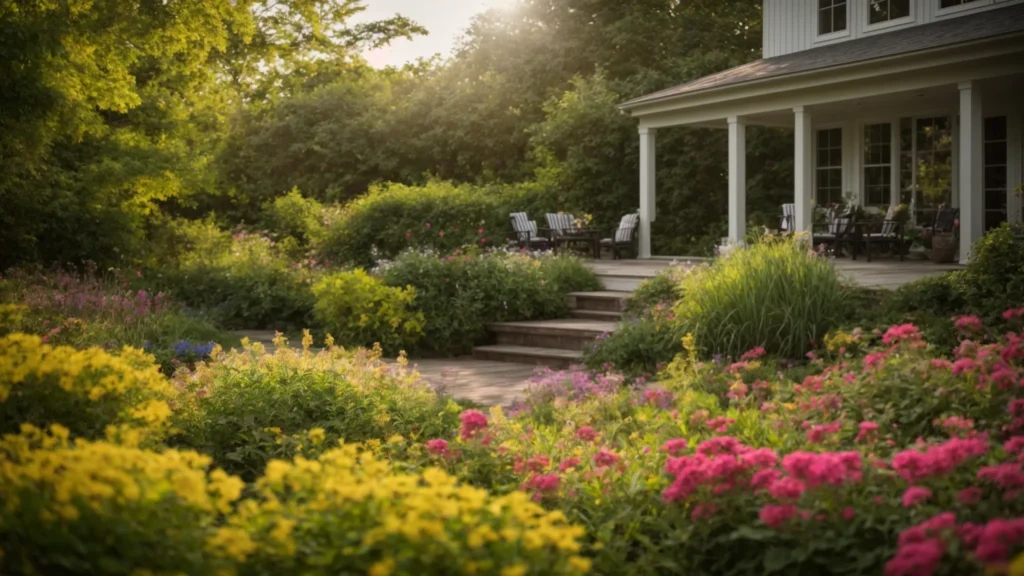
(626, 275)
(875, 124)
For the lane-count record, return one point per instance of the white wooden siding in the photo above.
(792, 25)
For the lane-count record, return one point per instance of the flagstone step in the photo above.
(550, 357)
(604, 300)
(566, 334)
(605, 315)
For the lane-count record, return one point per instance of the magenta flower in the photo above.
(568, 463)
(438, 447)
(473, 421)
(915, 495)
(543, 483)
(775, 515)
(606, 457)
(586, 433)
(674, 447)
(967, 324)
(969, 496)
(866, 429)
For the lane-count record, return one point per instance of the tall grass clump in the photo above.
(776, 294)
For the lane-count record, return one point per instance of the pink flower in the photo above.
(918, 559)
(967, 324)
(1013, 313)
(998, 538)
(830, 468)
(763, 479)
(568, 463)
(941, 363)
(605, 457)
(915, 495)
(787, 488)
(1014, 446)
(720, 423)
(874, 360)
(956, 424)
(964, 365)
(722, 445)
(428, 224)
(866, 429)
(738, 391)
(1007, 476)
(937, 460)
(543, 483)
(896, 334)
(775, 515)
(441, 233)
(818, 433)
(537, 463)
(586, 433)
(479, 231)
(408, 234)
(437, 447)
(849, 513)
(752, 354)
(703, 511)
(473, 421)
(969, 496)
(675, 447)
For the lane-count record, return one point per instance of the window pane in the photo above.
(995, 200)
(839, 17)
(995, 128)
(824, 4)
(835, 157)
(995, 153)
(899, 9)
(878, 11)
(995, 177)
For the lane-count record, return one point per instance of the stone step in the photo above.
(620, 282)
(605, 301)
(606, 315)
(550, 357)
(567, 334)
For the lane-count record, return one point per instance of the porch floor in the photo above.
(886, 273)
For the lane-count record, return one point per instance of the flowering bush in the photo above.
(351, 512)
(245, 407)
(102, 508)
(359, 310)
(90, 392)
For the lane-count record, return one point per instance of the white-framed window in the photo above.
(828, 176)
(995, 178)
(883, 11)
(878, 164)
(926, 164)
(832, 16)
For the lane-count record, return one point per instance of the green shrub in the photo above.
(240, 281)
(639, 346)
(460, 294)
(775, 294)
(295, 221)
(994, 279)
(663, 288)
(243, 408)
(359, 310)
(438, 215)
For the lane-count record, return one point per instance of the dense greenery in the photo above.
(116, 119)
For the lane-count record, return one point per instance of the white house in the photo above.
(914, 101)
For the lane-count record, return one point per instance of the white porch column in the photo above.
(646, 189)
(971, 168)
(737, 180)
(803, 168)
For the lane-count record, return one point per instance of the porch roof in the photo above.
(965, 29)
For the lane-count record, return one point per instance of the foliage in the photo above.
(775, 294)
(438, 215)
(640, 346)
(90, 392)
(85, 308)
(458, 295)
(350, 511)
(661, 289)
(359, 310)
(243, 280)
(101, 508)
(297, 221)
(994, 278)
(244, 409)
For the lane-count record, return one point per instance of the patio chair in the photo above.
(788, 216)
(625, 236)
(564, 232)
(945, 220)
(840, 230)
(526, 232)
(890, 233)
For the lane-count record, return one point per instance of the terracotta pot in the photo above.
(944, 248)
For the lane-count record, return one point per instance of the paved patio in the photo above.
(887, 273)
(483, 381)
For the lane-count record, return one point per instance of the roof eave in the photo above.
(636, 103)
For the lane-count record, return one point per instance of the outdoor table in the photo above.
(587, 236)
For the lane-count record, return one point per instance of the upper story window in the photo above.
(880, 11)
(831, 16)
(954, 3)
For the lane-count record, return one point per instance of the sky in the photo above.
(444, 19)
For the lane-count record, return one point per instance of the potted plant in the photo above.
(945, 244)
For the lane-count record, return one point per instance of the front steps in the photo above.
(556, 343)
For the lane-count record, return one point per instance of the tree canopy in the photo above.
(116, 117)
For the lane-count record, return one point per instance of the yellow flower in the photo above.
(383, 568)
(316, 436)
(579, 564)
(232, 542)
(516, 570)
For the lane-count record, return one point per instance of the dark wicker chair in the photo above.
(888, 233)
(840, 231)
(625, 237)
